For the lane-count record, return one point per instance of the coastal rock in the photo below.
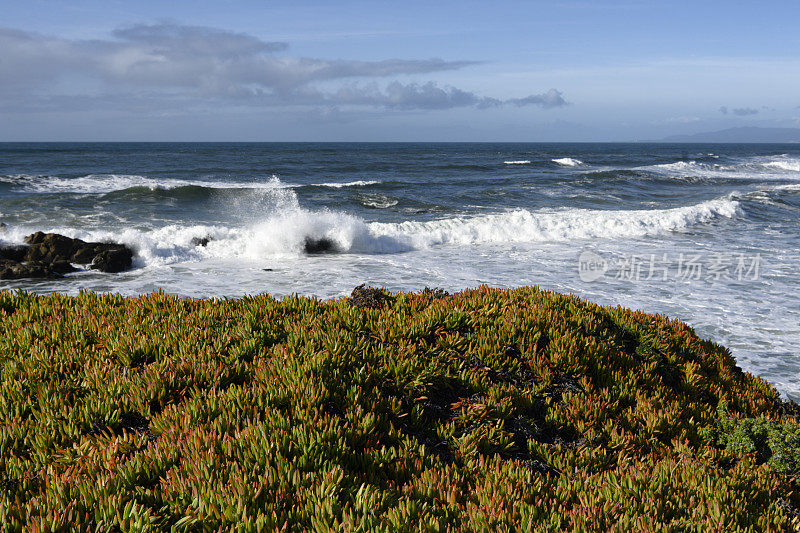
(49, 255)
(200, 241)
(52, 248)
(62, 267)
(113, 260)
(33, 269)
(14, 252)
(323, 245)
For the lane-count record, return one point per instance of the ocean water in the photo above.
(709, 234)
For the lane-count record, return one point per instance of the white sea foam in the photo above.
(285, 230)
(523, 226)
(377, 201)
(766, 167)
(520, 162)
(707, 171)
(678, 166)
(568, 162)
(788, 187)
(357, 183)
(105, 183)
(790, 165)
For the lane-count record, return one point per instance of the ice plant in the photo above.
(485, 410)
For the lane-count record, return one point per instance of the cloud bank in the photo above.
(168, 65)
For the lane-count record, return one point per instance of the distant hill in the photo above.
(739, 135)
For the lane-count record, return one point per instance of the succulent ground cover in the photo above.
(485, 410)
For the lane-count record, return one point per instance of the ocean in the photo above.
(709, 234)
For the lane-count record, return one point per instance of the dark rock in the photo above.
(52, 247)
(200, 241)
(85, 254)
(48, 255)
(369, 298)
(14, 252)
(32, 269)
(113, 260)
(322, 245)
(62, 267)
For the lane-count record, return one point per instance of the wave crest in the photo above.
(789, 165)
(106, 183)
(567, 162)
(357, 183)
(523, 226)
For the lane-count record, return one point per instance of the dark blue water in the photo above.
(705, 233)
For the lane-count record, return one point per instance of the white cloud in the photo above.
(551, 98)
(164, 64)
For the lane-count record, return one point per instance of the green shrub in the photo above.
(484, 410)
(777, 443)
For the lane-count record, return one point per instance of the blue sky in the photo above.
(386, 71)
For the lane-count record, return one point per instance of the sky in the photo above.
(394, 71)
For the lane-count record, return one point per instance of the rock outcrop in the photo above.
(48, 255)
(322, 245)
(201, 241)
(33, 269)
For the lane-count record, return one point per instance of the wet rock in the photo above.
(52, 248)
(14, 252)
(200, 241)
(113, 260)
(84, 254)
(322, 245)
(33, 269)
(62, 267)
(49, 255)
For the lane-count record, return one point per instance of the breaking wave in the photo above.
(357, 183)
(784, 163)
(523, 226)
(285, 231)
(106, 183)
(767, 167)
(568, 162)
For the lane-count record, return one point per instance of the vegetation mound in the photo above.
(483, 410)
